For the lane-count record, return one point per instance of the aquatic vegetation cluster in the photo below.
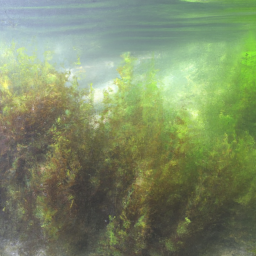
(142, 178)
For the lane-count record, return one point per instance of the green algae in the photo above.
(143, 177)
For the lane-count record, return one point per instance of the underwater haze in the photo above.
(127, 127)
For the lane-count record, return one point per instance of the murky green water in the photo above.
(127, 128)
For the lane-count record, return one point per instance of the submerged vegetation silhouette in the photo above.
(139, 178)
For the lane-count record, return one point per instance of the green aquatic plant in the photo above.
(45, 129)
(169, 169)
(139, 177)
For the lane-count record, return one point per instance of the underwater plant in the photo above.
(177, 177)
(45, 132)
(139, 178)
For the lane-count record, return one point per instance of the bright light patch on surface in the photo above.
(99, 92)
(194, 113)
(168, 79)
